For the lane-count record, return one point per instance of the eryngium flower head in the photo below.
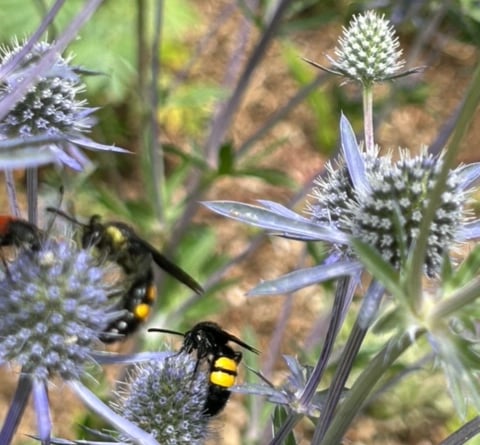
(52, 116)
(166, 398)
(368, 50)
(53, 305)
(374, 199)
(52, 104)
(388, 216)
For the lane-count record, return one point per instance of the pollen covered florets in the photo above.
(368, 50)
(53, 305)
(51, 104)
(387, 214)
(166, 398)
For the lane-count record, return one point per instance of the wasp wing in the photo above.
(239, 342)
(171, 268)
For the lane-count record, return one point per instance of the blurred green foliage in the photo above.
(109, 42)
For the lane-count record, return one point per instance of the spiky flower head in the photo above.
(166, 398)
(54, 302)
(52, 117)
(368, 51)
(374, 199)
(52, 105)
(388, 215)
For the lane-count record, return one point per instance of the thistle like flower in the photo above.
(388, 216)
(52, 116)
(372, 198)
(166, 398)
(54, 303)
(52, 105)
(368, 51)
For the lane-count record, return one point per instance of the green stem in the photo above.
(466, 295)
(155, 146)
(368, 116)
(472, 98)
(364, 385)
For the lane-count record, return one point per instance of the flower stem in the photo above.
(464, 433)
(363, 386)
(15, 412)
(370, 305)
(40, 400)
(338, 315)
(286, 428)
(343, 296)
(368, 117)
(466, 295)
(12, 193)
(155, 149)
(337, 388)
(32, 194)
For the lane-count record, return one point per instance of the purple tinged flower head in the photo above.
(166, 398)
(54, 302)
(48, 123)
(52, 105)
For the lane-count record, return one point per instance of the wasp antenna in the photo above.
(64, 215)
(241, 343)
(166, 331)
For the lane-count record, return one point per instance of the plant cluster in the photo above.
(393, 223)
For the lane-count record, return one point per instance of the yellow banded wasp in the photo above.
(119, 243)
(210, 342)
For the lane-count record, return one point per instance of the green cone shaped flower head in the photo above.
(387, 215)
(368, 51)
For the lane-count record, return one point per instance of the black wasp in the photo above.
(210, 342)
(18, 232)
(118, 242)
